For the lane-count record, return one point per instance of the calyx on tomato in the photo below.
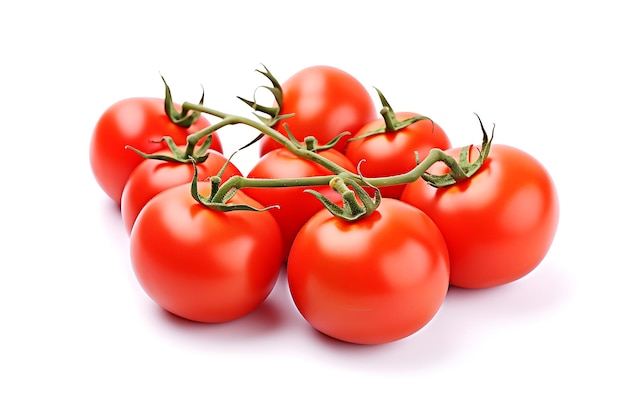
(190, 153)
(272, 111)
(311, 143)
(462, 169)
(353, 208)
(392, 124)
(215, 200)
(182, 118)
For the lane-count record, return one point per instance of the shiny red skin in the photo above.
(393, 153)
(201, 264)
(296, 206)
(372, 281)
(499, 224)
(326, 101)
(152, 176)
(140, 122)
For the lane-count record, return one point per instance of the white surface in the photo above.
(79, 336)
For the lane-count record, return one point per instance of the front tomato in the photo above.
(325, 102)
(499, 223)
(140, 122)
(371, 281)
(201, 264)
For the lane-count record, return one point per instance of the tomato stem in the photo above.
(292, 145)
(392, 124)
(459, 171)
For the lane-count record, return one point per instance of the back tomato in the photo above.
(153, 176)
(375, 280)
(140, 122)
(393, 153)
(296, 206)
(326, 102)
(201, 264)
(498, 224)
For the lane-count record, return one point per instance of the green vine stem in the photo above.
(183, 118)
(230, 119)
(459, 171)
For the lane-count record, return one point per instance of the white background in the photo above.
(80, 337)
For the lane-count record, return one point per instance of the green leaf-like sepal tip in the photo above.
(353, 208)
(211, 203)
(392, 124)
(183, 118)
(272, 111)
(462, 169)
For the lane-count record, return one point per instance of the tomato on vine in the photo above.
(141, 122)
(374, 279)
(166, 169)
(389, 145)
(498, 224)
(212, 263)
(320, 101)
(295, 206)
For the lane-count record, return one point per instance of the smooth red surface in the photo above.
(499, 224)
(202, 264)
(296, 206)
(326, 102)
(393, 153)
(152, 176)
(140, 122)
(371, 281)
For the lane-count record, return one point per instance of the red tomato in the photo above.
(498, 224)
(393, 153)
(326, 102)
(296, 206)
(140, 122)
(202, 264)
(153, 176)
(371, 281)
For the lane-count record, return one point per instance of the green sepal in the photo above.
(392, 124)
(462, 169)
(272, 111)
(183, 118)
(352, 210)
(184, 157)
(222, 206)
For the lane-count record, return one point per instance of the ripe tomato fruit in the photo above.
(498, 224)
(326, 102)
(202, 264)
(370, 281)
(393, 152)
(140, 122)
(296, 206)
(152, 176)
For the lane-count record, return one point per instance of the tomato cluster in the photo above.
(373, 215)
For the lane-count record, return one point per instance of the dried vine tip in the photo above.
(183, 118)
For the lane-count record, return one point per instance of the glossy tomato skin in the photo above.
(326, 102)
(152, 176)
(499, 224)
(140, 122)
(296, 206)
(373, 281)
(393, 153)
(201, 264)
